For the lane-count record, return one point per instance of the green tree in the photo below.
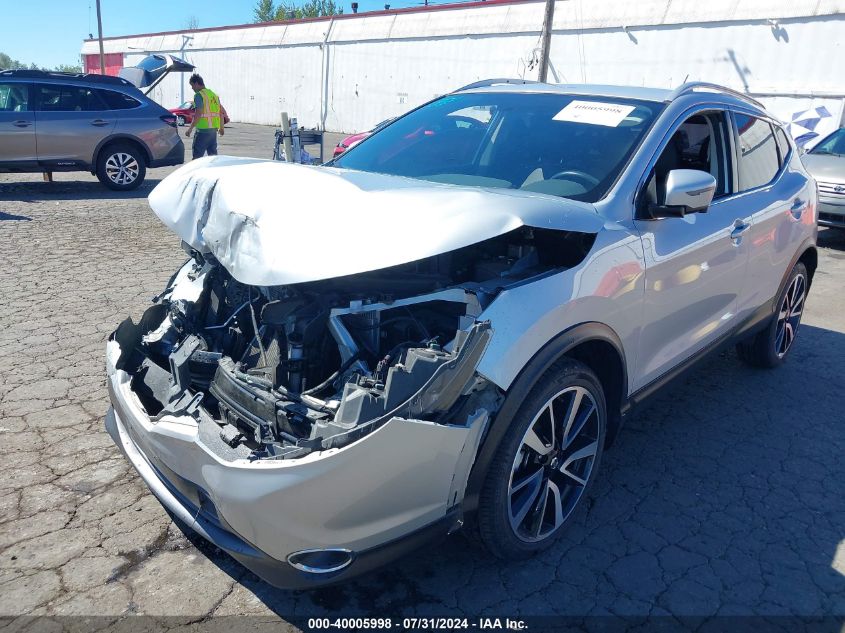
(68, 68)
(7, 63)
(264, 11)
(309, 9)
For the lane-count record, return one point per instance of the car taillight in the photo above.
(170, 119)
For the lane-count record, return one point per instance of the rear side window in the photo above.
(758, 152)
(56, 98)
(783, 145)
(118, 100)
(14, 97)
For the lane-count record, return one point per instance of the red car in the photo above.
(185, 113)
(354, 139)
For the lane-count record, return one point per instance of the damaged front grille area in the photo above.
(423, 384)
(287, 370)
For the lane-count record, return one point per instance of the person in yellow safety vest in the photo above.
(208, 119)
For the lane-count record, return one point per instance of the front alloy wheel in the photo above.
(553, 464)
(545, 463)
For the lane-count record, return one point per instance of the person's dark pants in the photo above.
(205, 143)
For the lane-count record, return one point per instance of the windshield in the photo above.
(563, 145)
(833, 144)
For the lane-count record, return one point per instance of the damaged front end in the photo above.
(286, 371)
(306, 393)
(305, 428)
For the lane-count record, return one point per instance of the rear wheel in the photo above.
(180, 120)
(121, 167)
(545, 463)
(770, 347)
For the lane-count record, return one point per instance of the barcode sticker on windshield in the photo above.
(594, 113)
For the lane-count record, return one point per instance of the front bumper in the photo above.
(389, 492)
(832, 212)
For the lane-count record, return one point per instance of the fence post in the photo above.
(297, 145)
(286, 139)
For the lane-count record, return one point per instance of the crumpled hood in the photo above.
(271, 223)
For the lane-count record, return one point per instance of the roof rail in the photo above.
(50, 74)
(694, 86)
(492, 82)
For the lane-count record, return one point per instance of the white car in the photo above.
(323, 386)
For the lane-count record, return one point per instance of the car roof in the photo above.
(90, 79)
(595, 90)
(712, 92)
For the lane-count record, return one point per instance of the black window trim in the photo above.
(784, 160)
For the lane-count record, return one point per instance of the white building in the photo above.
(349, 72)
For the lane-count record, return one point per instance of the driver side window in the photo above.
(701, 143)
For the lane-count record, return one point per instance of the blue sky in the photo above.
(50, 32)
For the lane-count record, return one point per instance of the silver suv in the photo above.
(72, 122)
(449, 322)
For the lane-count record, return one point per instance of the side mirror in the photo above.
(687, 191)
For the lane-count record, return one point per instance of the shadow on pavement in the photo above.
(832, 238)
(726, 495)
(12, 216)
(34, 192)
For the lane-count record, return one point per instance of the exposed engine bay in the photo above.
(287, 370)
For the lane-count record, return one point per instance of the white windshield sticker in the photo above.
(594, 113)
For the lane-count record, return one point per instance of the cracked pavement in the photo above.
(726, 495)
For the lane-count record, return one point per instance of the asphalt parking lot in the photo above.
(725, 496)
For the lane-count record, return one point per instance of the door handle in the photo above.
(740, 227)
(21, 123)
(99, 122)
(797, 208)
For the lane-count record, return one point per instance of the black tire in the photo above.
(121, 167)
(180, 120)
(500, 528)
(766, 348)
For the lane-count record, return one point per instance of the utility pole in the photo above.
(185, 40)
(100, 37)
(546, 40)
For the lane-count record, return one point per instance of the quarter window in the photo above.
(14, 97)
(56, 98)
(758, 154)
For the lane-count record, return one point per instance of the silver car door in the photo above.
(17, 125)
(778, 195)
(695, 265)
(72, 120)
